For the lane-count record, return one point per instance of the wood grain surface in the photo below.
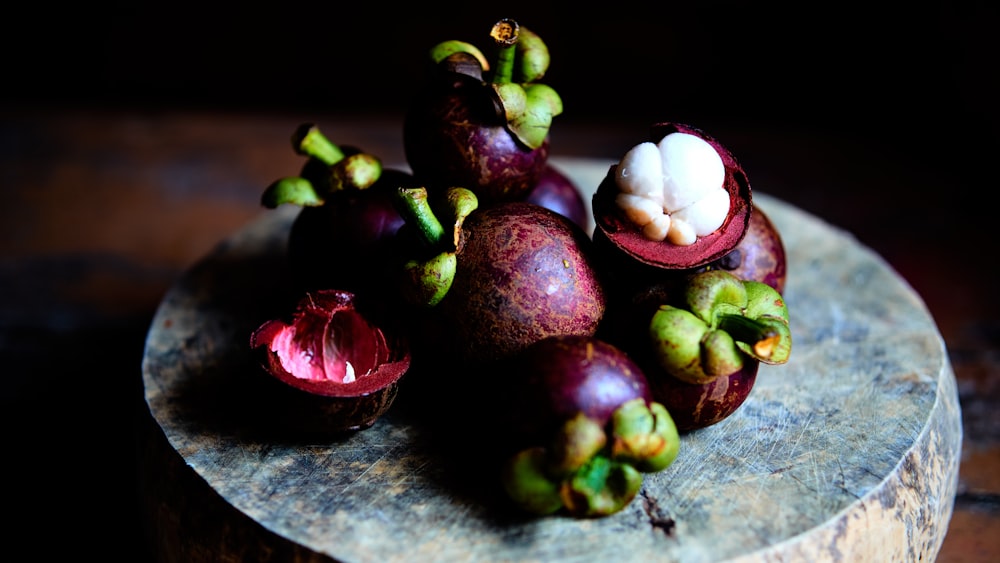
(848, 452)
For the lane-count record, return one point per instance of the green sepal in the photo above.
(527, 483)
(532, 57)
(579, 439)
(768, 307)
(529, 109)
(776, 347)
(720, 354)
(676, 336)
(456, 205)
(714, 293)
(644, 436)
(358, 171)
(600, 488)
(426, 282)
(446, 49)
(292, 189)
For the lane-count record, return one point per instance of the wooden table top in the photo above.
(105, 210)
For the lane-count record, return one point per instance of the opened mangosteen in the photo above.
(483, 127)
(583, 426)
(497, 278)
(342, 237)
(677, 202)
(335, 369)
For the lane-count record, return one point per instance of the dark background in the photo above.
(915, 81)
(856, 66)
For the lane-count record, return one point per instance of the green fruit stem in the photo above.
(309, 141)
(414, 206)
(504, 34)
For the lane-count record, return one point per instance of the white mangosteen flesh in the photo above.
(673, 190)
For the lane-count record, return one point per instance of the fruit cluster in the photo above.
(588, 355)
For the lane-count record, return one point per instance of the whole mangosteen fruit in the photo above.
(524, 272)
(499, 278)
(584, 427)
(480, 127)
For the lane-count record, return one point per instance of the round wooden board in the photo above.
(850, 451)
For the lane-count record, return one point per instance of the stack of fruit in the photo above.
(473, 271)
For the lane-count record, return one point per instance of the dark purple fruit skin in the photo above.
(524, 272)
(694, 406)
(346, 242)
(454, 135)
(557, 377)
(557, 192)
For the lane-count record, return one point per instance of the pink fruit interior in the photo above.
(340, 347)
(329, 347)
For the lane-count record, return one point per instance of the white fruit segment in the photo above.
(673, 190)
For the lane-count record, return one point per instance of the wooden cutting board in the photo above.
(850, 452)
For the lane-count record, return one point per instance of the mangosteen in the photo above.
(678, 202)
(480, 127)
(335, 369)
(584, 426)
(503, 277)
(341, 238)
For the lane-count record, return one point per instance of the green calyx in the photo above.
(588, 470)
(331, 171)
(644, 436)
(522, 59)
(428, 276)
(529, 109)
(723, 322)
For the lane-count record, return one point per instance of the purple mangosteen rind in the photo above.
(523, 273)
(454, 136)
(330, 405)
(694, 406)
(629, 241)
(556, 191)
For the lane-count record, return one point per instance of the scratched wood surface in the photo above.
(848, 452)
